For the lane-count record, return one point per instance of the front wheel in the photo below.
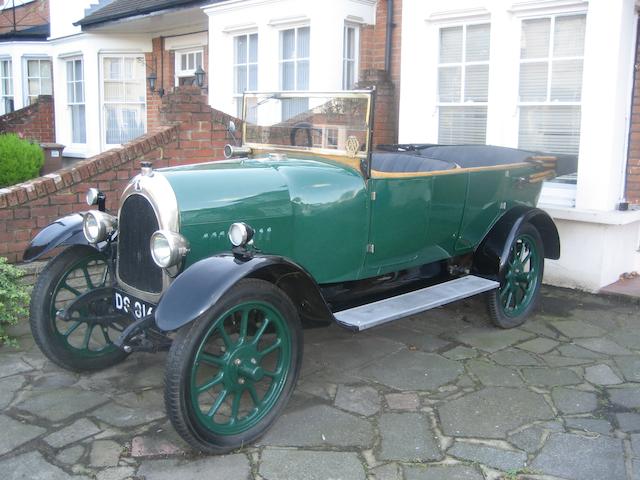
(230, 374)
(512, 303)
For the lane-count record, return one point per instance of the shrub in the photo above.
(20, 160)
(14, 299)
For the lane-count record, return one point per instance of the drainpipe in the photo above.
(388, 41)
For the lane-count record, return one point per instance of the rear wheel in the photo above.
(230, 375)
(514, 301)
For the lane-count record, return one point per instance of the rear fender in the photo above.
(64, 231)
(195, 292)
(491, 256)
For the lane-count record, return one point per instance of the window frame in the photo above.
(74, 102)
(462, 64)
(25, 65)
(238, 97)
(179, 72)
(356, 56)
(4, 96)
(295, 59)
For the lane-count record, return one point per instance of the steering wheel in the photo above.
(301, 126)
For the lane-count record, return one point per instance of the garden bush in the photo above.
(20, 160)
(14, 299)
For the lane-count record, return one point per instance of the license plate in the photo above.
(128, 304)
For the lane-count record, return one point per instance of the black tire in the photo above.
(506, 313)
(46, 329)
(182, 368)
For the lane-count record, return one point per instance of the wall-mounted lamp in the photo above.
(151, 80)
(199, 73)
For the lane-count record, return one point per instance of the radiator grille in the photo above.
(136, 267)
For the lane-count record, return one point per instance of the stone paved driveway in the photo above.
(439, 396)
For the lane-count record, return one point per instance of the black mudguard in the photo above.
(491, 256)
(64, 231)
(197, 290)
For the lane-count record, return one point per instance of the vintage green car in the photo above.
(224, 263)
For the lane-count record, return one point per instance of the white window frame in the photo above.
(295, 59)
(346, 59)
(73, 102)
(4, 96)
(189, 72)
(103, 103)
(238, 96)
(25, 66)
(462, 65)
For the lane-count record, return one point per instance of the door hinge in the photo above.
(371, 248)
(373, 196)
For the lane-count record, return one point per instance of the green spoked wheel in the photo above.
(71, 314)
(513, 302)
(229, 375)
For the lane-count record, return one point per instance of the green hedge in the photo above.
(14, 300)
(20, 160)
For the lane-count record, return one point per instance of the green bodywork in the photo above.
(324, 215)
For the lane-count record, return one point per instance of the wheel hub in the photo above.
(241, 366)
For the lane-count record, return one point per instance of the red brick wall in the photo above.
(35, 122)
(633, 162)
(29, 15)
(27, 207)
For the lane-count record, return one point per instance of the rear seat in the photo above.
(404, 162)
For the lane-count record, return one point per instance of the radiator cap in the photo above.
(146, 169)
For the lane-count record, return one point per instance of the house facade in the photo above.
(548, 75)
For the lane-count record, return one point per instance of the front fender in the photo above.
(64, 231)
(197, 290)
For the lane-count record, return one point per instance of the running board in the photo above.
(383, 311)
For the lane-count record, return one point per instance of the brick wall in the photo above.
(633, 162)
(27, 207)
(29, 15)
(35, 122)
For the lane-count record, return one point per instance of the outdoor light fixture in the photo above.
(199, 73)
(151, 80)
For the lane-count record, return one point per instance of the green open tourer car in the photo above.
(225, 263)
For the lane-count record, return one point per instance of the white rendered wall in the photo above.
(268, 18)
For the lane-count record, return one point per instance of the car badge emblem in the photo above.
(136, 186)
(352, 146)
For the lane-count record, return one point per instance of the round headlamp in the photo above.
(168, 248)
(92, 196)
(97, 226)
(240, 234)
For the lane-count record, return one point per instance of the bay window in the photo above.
(245, 67)
(463, 84)
(75, 100)
(294, 68)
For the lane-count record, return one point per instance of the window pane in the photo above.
(533, 82)
(69, 71)
(78, 129)
(241, 49)
(288, 80)
(45, 69)
(288, 44)
(462, 125)
(350, 43)
(198, 59)
(113, 91)
(34, 87)
(303, 42)
(534, 42)
(569, 36)
(113, 68)
(566, 80)
(478, 38)
(303, 75)
(476, 88)
(550, 128)
(253, 48)
(449, 81)
(79, 93)
(183, 61)
(33, 68)
(451, 45)
(253, 77)
(78, 69)
(71, 96)
(241, 79)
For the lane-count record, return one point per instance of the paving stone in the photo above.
(635, 467)
(492, 412)
(603, 345)
(630, 367)
(164, 442)
(559, 361)
(70, 455)
(32, 466)
(234, 467)
(8, 388)
(539, 328)
(596, 425)
(390, 471)
(635, 444)
(59, 404)
(121, 416)
(296, 464)
(550, 377)
(406, 370)
(570, 401)
(578, 329)
(577, 457)
(460, 353)
(105, 453)
(408, 437)
(494, 457)
(628, 422)
(442, 472)
(15, 433)
(539, 345)
(492, 340)
(575, 351)
(319, 425)
(78, 430)
(402, 401)
(12, 364)
(411, 338)
(626, 397)
(116, 473)
(358, 399)
(529, 439)
(516, 358)
(494, 375)
(601, 375)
